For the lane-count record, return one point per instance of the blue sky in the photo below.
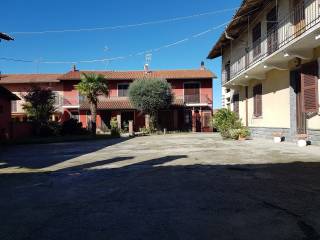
(39, 15)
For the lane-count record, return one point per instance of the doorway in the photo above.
(105, 120)
(272, 30)
(301, 121)
(198, 124)
(299, 21)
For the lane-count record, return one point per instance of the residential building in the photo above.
(270, 67)
(190, 110)
(5, 112)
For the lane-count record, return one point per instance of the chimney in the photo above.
(74, 68)
(202, 67)
(146, 68)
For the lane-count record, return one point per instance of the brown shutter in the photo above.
(309, 87)
(236, 103)
(257, 94)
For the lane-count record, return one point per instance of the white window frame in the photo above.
(122, 84)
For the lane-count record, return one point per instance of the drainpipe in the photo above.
(247, 114)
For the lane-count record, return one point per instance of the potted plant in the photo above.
(244, 133)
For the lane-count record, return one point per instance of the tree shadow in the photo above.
(156, 199)
(44, 155)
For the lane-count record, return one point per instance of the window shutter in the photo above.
(309, 87)
(236, 103)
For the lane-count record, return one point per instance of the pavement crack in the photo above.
(307, 229)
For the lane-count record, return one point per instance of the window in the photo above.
(256, 40)
(13, 106)
(123, 89)
(257, 100)
(235, 100)
(57, 99)
(192, 92)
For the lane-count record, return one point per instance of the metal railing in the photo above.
(304, 17)
(195, 98)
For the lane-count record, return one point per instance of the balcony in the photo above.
(302, 21)
(194, 100)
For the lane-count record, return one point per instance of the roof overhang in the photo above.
(5, 93)
(248, 9)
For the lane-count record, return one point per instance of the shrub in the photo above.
(115, 131)
(72, 127)
(145, 131)
(224, 120)
(48, 129)
(229, 125)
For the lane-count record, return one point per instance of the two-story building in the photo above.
(270, 67)
(190, 110)
(5, 112)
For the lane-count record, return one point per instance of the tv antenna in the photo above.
(148, 58)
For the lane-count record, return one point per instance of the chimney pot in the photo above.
(202, 67)
(74, 68)
(146, 68)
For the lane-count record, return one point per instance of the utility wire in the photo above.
(124, 26)
(197, 35)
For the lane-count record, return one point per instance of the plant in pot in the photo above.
(244, 133)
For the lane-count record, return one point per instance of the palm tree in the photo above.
(92, 86)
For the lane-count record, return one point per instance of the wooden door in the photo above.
(272, 30)
(198, 121)
(299, 21)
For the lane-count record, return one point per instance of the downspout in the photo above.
(247, 114)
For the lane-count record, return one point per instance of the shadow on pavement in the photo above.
(147, 200)
(45, 155)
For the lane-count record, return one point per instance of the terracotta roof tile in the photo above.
(131, 75)
(120, 103)
(28, 78)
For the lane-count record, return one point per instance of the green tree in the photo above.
(149, 96)
(92, 86)
(39, 105)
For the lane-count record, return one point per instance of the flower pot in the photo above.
(302, 143)
(242, 138)
(277, 139)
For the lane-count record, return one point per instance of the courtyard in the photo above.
(183, 186)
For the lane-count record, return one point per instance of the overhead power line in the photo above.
(197, 35)
(125, 26)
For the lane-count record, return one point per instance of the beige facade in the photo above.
(286, 43)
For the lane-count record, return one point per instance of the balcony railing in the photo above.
(194, 99)
(304, 17)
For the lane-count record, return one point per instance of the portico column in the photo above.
(119, 120)
(147, 121)
(194, 129)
